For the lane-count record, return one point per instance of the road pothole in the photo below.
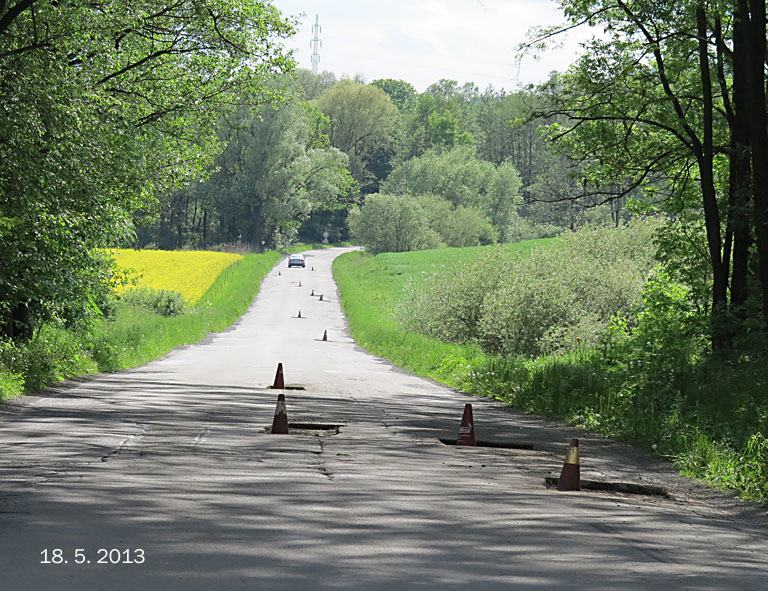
(493, 444)
(315, 429)
(629, 488)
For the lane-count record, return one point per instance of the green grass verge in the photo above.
(707, 415)
(371, 289)
(133, 335)
(136, 336)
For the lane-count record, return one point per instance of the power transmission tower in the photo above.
(316, 44)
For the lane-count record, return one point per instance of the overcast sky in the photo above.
(422, 41)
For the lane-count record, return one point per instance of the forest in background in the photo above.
(478, 161)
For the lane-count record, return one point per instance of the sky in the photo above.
(422, 41)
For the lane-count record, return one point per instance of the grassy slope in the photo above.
(371, 288)
(133, 336)
(136, 335)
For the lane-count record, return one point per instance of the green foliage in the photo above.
(11, 385)
(654, 384)
(313, 85)
(390, 223)
(363, 118)
(401, 92)
(456, 226)
(11, 382)
(440, 119)
(109, 107)
(373, 290)
(448, 304)
(552, 300)
(443, 130)
(465, 226)
(276, 171)
(458, 176)
(643, 117)
(744, 469)
(52, 355)
(161, 301)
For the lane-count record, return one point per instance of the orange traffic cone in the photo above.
(325, 335)
(279, 380)
(280, 422)
(467, 429)
(570, 477)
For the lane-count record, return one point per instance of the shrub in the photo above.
(52, 355)
(467, 226)
(463, 179)
(161, 301)
(457, 226)
(448, 305)
(552, 300)
(390, 223)
(11, 384)
(744, 469)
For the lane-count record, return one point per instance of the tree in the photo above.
(313, 85)
(462, 179)
(401, 92)
(438, 122)
(391, 223)
(506, 129)
(106, 106)
(363, 118)
(274, 173)
(670, 101)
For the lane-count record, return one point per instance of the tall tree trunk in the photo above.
(739, 190)
(751, 14)
(17, 323)
(705, 160)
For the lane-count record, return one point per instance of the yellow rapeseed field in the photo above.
(190, 272)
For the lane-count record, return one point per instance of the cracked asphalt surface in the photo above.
(173, 459)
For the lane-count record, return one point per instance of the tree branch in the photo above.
(695, 142)
(13, 13)
(222, 36)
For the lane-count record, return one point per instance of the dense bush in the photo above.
(656, 383)
(456, 226)
(391, 223)
(53, 354)
(551, 300)
(161, 301)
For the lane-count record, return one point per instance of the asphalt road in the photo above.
(169, 467)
